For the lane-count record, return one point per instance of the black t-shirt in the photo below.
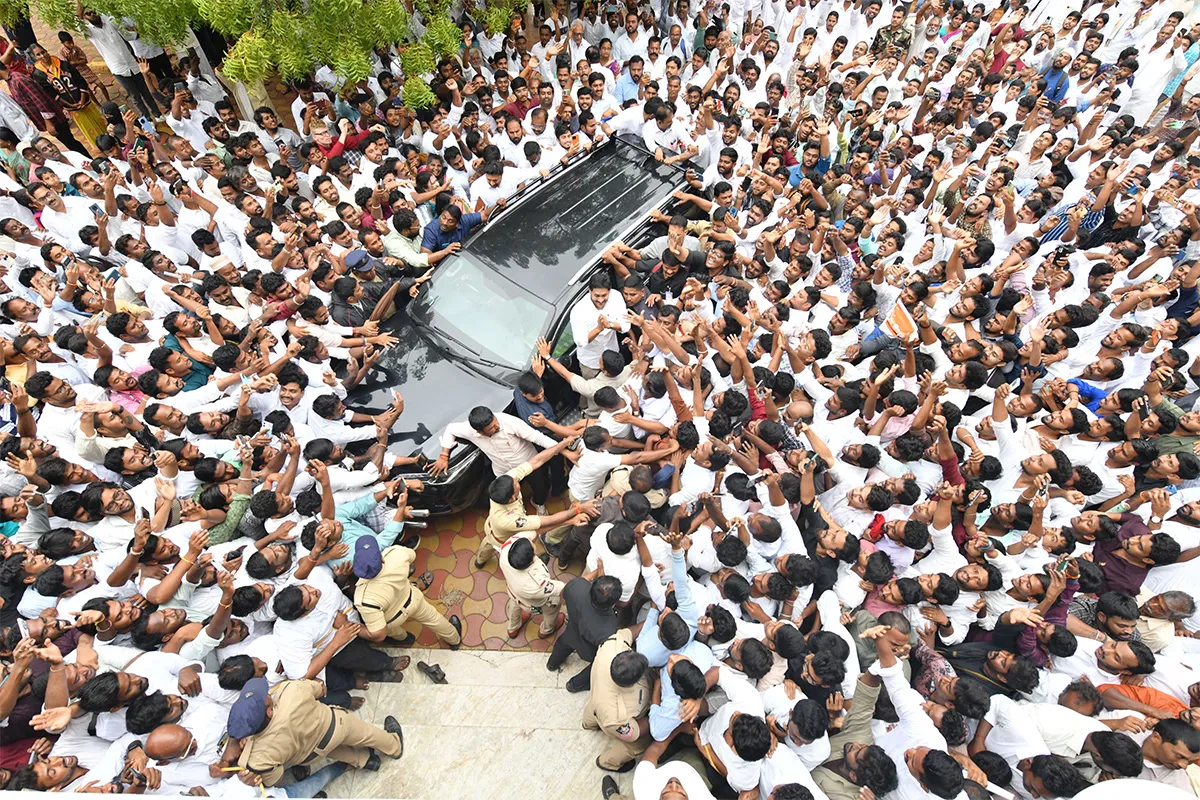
(657, 282)
(587, 627)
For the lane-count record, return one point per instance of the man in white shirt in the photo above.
(916, 745)
(595, 321)
(736, 739)
(102, 32)
(507, 441)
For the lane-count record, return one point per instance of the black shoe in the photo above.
(320, 794)
(300, 772)
(408, 641)
(608, 786)
(374, 762)
(628, 765)
(552, 549)
(457, 623)
(392, 725)
(580, 683)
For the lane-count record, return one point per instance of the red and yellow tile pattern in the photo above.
(477, 596)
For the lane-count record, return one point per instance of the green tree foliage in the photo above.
(288, 37)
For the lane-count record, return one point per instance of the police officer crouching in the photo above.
(273, 729)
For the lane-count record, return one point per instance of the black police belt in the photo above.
(395, 616)
(324, 743)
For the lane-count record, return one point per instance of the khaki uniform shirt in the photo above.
(618, 483)
(617, 708)
(299, 721)
(531, 586)
(381, 598)
(505, 519)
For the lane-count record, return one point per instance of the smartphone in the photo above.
(180, 86)
(96, 209)
(1062, 566)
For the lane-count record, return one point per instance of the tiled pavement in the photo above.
(476, 595)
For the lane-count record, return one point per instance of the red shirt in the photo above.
(519, 109)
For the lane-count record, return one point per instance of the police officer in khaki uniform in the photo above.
(530, 587)
(619, 702)
(387, 600)
(507, 514)
(287, 726)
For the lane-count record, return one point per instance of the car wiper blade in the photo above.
(463, 350)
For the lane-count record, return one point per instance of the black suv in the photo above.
(467, 338)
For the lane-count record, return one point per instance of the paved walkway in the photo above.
(504, 728)
(476, 595)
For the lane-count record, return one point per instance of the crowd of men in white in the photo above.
(887, 482)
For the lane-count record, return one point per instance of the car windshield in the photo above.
(482, 310)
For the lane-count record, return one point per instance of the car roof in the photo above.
(563, 224)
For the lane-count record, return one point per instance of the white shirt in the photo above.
(743, 697)
(915, 729)
(785, 766)
(590, 472)
(1062, 729)
(510, 447)
(1013, 735)
(626, 568)
(111, 46)
(300, 639)
(649, 780)
(584, 318)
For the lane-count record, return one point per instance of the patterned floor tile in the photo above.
(477, 596)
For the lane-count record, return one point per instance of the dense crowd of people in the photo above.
(884, 481)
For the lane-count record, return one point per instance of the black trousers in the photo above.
(543, 478)
(720, 787)
(559, 654)
(161, 68)
(340, 672)
(135, 86)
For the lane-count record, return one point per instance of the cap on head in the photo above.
(248, 712)
(368, 561)
(359, 260)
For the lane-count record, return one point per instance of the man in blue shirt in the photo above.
(1057, 81)
(629, 85)
(452, 225)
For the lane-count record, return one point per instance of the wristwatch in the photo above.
(1155, 519)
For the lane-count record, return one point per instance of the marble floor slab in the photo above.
(502, 728)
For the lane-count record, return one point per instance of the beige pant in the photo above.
(422, 612)
(619, 752)
(488, 547)
(549, 604)
(558, 534)
(353, 739)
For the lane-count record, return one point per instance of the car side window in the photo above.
(564, 343)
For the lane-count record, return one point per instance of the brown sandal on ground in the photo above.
(425, 580)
